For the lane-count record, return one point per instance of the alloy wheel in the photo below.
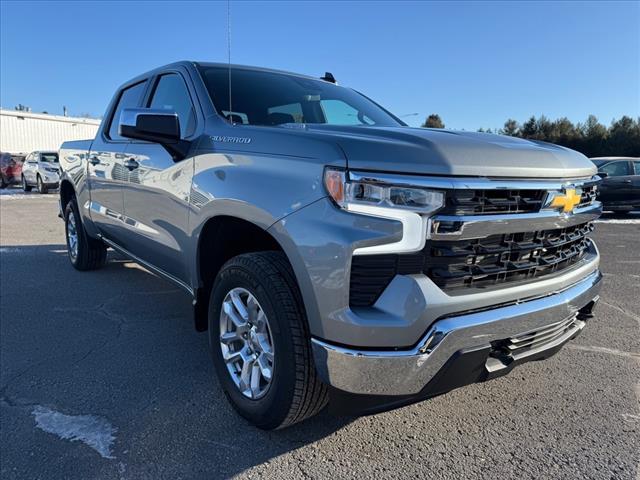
(72, 236)
(246, 343)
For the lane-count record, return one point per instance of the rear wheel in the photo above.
(25, 186)
(85, 253)
(42, 188)
(260, 343)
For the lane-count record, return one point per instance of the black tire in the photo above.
(25, 187)
(42, 188)
(295, 392)
(3, 183)
(91, 253)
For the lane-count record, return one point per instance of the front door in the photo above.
(156, 195)
(105, 169)
(30, 167)
(615, 187)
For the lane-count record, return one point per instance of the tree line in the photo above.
(591, 138)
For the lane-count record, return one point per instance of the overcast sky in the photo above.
(476, 64)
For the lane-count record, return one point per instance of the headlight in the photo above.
(408, 205)
(349, 194)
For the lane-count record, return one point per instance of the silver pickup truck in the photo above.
(333, 254)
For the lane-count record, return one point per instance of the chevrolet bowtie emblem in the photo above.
(567, 201)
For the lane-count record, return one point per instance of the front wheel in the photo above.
(260, 342)
(42, 188)
(85, 253)
(25, 186)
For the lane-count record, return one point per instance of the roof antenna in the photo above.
(229, 56)
(328, 77)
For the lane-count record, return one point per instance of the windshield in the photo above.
(49, 157)
(268, 98)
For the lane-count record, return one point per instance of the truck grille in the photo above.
(505, 258)
(490, 202)
(503, 201)
(588, 196)
(479, 263)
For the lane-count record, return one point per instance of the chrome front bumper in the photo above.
(549, 320)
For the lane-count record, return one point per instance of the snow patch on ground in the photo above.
(95, 432)
(19, 194)
(620, 221)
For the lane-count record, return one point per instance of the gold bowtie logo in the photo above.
(567, 201)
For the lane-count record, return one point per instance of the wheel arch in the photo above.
(221, 238)
(67, 192)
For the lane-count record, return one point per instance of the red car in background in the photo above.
(10, 169)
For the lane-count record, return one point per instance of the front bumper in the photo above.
(50, 179)
(478, 339)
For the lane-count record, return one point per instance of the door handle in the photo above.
(94, 160)
(626, 181)
(131, 164)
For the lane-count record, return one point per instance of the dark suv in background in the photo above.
(620, 187)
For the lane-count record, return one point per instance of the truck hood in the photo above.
(445, 152)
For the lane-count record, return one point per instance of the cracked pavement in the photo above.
(119, 344)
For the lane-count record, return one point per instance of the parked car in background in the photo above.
(41, 169)
(620, 187)
(10, 169)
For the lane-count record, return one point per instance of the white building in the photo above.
(24, 132)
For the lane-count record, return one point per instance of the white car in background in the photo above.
(42, 170)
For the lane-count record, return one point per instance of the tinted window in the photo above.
(49, 157)
(171, 94)
(636, 165)
(615, 169)
(339, 113)
(272, 98)
(130, 98)
(291, 113)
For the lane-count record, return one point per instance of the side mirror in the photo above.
(603, 174)
(152, 125)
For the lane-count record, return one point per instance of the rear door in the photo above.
(106, 172)
(635, 183)
(156, 195)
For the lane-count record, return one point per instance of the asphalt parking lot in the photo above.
(112, 354)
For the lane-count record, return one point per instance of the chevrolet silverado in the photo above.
(334, 254)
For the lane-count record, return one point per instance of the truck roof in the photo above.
(212, 64)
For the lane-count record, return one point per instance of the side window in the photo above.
(129, 98)
(171, 94)
(636, 165)
(290, 113)
(236, 117)
(337, 112)
(615, 169)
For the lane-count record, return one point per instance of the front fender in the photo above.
(259, 188)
